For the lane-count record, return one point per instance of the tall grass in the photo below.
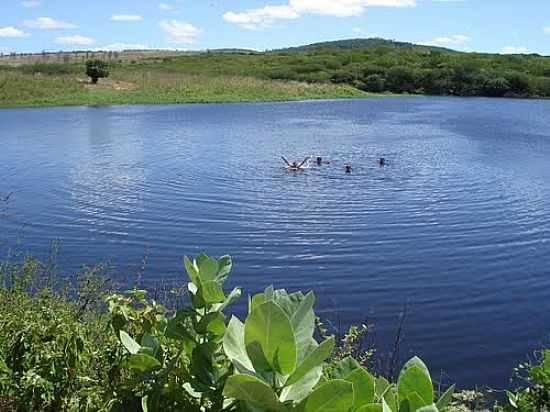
(148, 86)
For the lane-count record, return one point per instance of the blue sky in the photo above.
(470, 25)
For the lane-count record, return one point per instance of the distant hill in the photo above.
(371, 43)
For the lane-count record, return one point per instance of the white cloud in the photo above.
(11, 31)
(266, 16)
(344, 8)
(179, 32)
(166, 7)
(76, 40)
(261, 18)
(547, 30)
(29, 4)
(121, 47)
(47, 23)
(515, 50)
(126, 17)
(456, 40)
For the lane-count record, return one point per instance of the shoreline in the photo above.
(206, 102)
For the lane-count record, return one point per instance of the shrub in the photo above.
(496, 87)
(146, 356)
(96, 69)
(49, 359)
(342, 77)
(401, 79)
(374, 83)
(536, 396)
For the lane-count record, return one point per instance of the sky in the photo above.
(501, 26)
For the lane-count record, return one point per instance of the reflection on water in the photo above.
(109, 179)
(456, 226)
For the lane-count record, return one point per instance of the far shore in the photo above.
(27, 90)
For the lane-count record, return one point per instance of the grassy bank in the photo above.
(333, 70)
(141, 86)
(79, 345)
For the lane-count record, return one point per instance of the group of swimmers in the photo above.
(295, 166)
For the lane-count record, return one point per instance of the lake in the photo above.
(455, 228)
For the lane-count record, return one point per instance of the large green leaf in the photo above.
(129, 343)
(269, 339)
(363, 387)
(143, 363)
(213, 322)
(344, 367)
(314, 359)
(414, 402)
(192, 270)
(333, 396)
(252, 390)
(152, 343)
(256, 301)
(445, 399)
(303, 323)
(301, 389)
(230, 299)
(225, 263)
(415, 377)
(208, 269)
(233, 344)
(386, 407)
(212, 292)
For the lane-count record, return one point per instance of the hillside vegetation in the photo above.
(327, 70)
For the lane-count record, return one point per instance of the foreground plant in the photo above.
(177, 359)
(279, 366)
(536, 396)
(143, 356)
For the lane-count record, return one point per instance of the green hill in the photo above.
(370, 43)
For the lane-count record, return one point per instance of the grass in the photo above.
(151, 86)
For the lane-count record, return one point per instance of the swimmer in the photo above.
(295, 165)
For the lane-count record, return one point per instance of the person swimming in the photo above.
(349, 168)
(295, 165)
(382, 161)
(320, 161)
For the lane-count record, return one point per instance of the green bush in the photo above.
(374, 83)
(136, 354)
(50, 359)
(97, 69)
(536, 395)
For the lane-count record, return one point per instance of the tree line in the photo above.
(421, 71)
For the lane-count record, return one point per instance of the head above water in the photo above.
(382, 161)
(349, 168)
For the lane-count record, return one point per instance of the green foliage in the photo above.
(60, 354)
(178, 362)
(536, 396)
(330, 71)
(97, 69)
(374, 83)
(496, 87)
(54, 353)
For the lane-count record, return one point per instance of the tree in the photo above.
(374, 83)
(519, 83)
(401, 79)
(96, 69)
(496, 87)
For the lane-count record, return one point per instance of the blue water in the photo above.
(456, 226)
